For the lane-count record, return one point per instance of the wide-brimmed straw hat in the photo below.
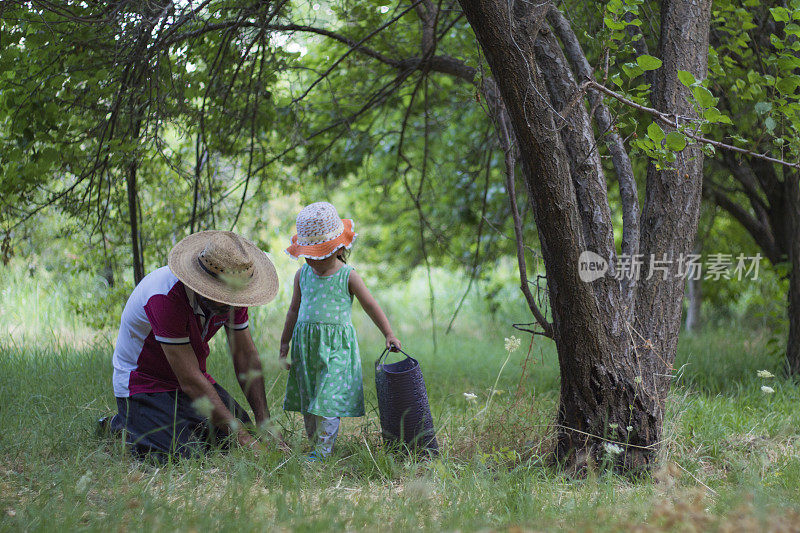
(320, 232)
(224, 267)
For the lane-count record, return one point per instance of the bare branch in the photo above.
(510, 159)
(360, 42)
(477, 256)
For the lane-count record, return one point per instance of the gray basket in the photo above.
(403, 404)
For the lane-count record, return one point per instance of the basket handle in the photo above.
(386, 351)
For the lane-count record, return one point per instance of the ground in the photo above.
(731, 459)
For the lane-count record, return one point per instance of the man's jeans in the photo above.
(160, 424)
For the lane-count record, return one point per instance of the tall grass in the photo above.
(731, 455)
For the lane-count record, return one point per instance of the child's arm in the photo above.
(360, 291)
(291, 320)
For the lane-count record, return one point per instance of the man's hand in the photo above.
(245, 439)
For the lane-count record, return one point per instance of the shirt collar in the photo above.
(193, 302)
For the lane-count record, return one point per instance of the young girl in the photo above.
(324, 380)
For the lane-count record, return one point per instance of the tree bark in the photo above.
(793, 342)
(133, 217)
(672, 202)
(612, 387)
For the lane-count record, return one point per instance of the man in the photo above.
(165, 398)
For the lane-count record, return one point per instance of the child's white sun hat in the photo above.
(320, 232)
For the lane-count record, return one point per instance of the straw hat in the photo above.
(320, 232)
(224, 267)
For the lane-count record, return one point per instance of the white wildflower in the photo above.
(512, 343)
(613, 449)
(629, 428)
(767, 390)
(83, 483)
(765, 374)
(470, 397)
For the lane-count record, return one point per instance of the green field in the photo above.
(731, 456)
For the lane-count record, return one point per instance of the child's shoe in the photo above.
(315, 457)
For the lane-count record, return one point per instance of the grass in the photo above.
(731, 460)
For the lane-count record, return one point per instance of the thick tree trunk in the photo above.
(672, 206)
(597, 365)
(793, 342)
(612, 387)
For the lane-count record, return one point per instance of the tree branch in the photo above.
(510, 159)
(351, 50)
(670, 119)
(757, 229)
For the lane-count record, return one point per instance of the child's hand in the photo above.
(282, 357)
(393, 343)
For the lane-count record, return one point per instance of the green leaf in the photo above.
(762, 108)
(788, 63)
(712, 114)
(788, 84)
(703, 96)
(686, 78)
(615, 6)
(676, 141)
(632, 70)
(770, 124)
(655, 132)
(792, 29)
(780, 14)
(648, 62)
(613, 24)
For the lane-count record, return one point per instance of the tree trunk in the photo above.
(672, 204)
(133, 217)
(612, 384)
(793, 342)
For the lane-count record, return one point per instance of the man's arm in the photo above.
(248, 370)
(182, 359)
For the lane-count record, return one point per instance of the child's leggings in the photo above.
(322, 431)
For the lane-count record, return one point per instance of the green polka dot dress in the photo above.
(325, 376)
